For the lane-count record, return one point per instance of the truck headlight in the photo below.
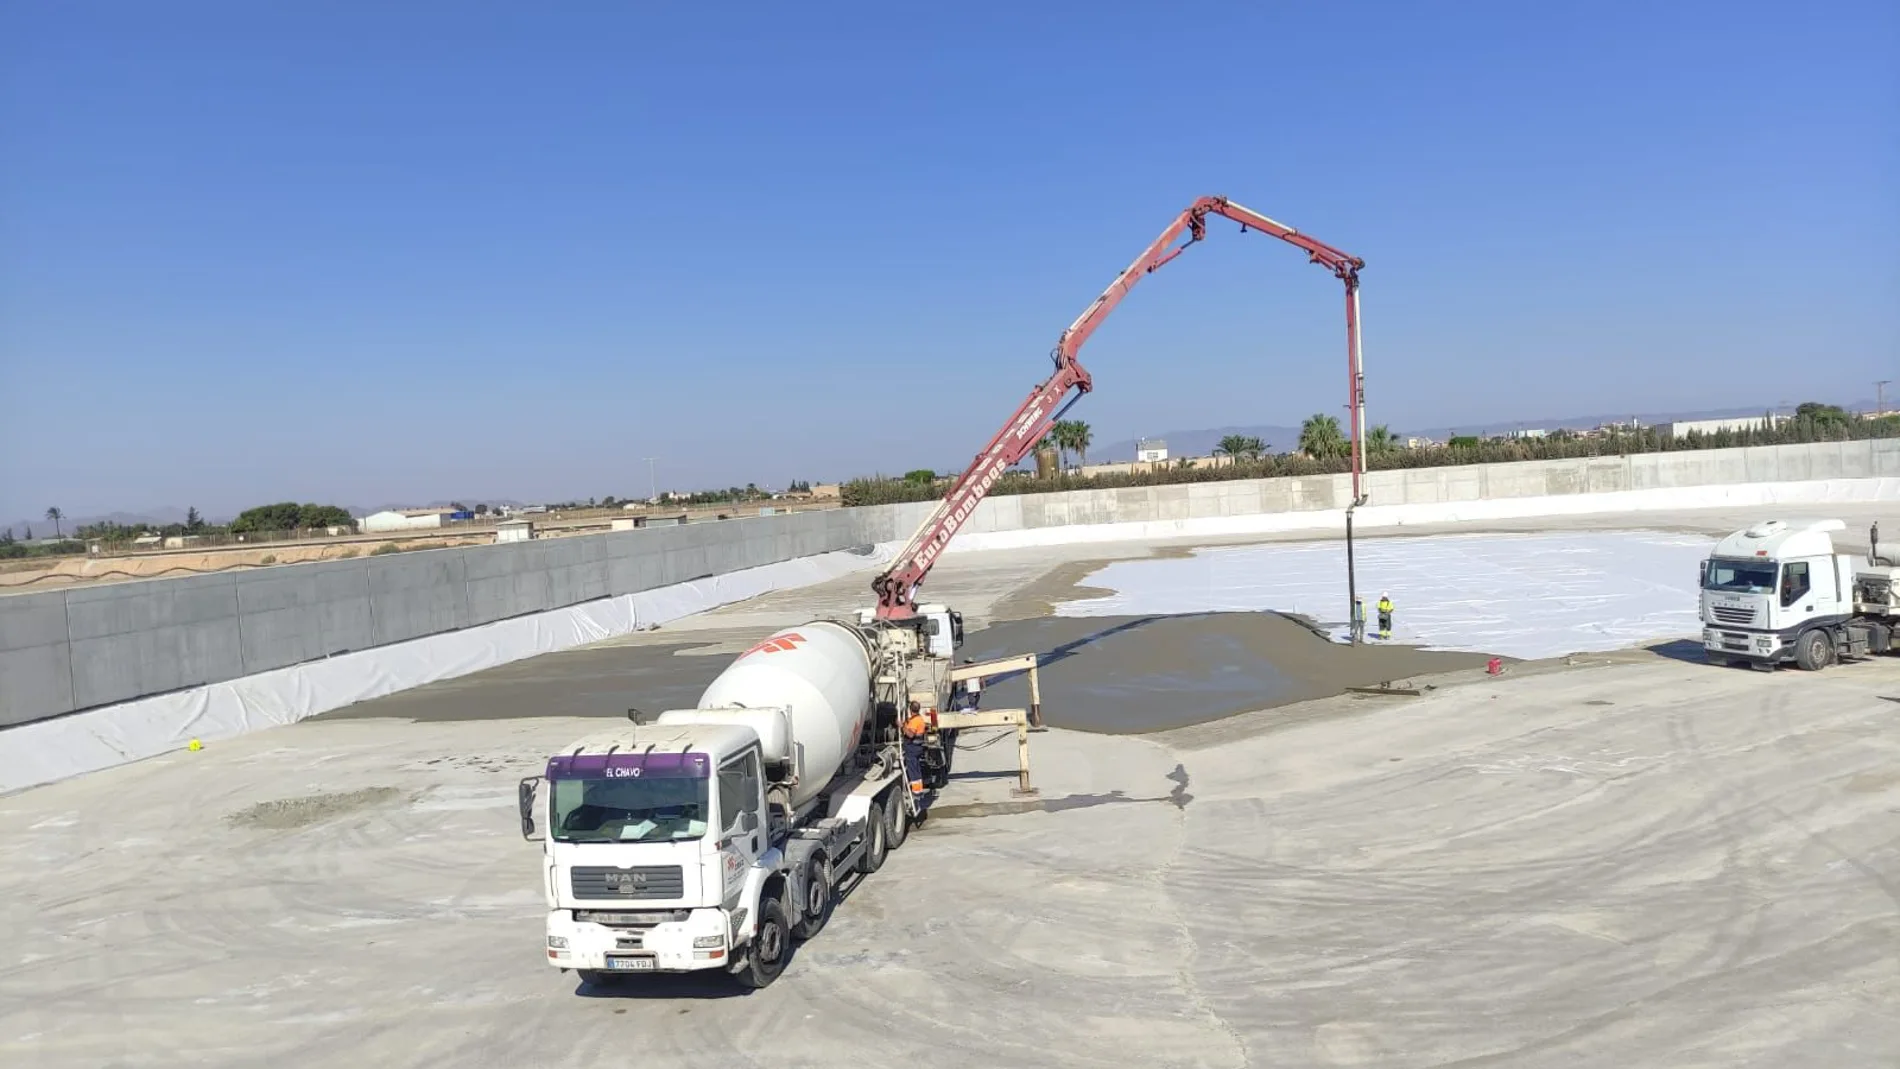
(704, 941)
(1765, 642)
(557, 942)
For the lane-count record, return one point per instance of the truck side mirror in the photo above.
(525, 797)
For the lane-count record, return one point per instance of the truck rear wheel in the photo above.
(1813, 650)
(876, 842)
(765, 955)
(819, 895)
(899, 826)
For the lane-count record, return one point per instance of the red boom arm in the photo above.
(896, 587)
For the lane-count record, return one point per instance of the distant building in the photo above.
(1684, 427)
(405, 519)
(1532, 432)
(516, 530)
(1151, 450)
(1416, 442)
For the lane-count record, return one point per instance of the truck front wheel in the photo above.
(1813, 650)
(765, 955)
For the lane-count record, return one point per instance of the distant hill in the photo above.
(43, 528)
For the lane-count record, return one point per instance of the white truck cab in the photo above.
(650, 843)
(1777, 592)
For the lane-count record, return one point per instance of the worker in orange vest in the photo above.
(915, 726)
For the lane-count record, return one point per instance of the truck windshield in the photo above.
(661, 809)
(1739, 576)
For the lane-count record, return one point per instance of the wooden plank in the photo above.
(1022, 663)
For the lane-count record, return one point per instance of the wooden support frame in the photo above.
(1022, 663)
(997, 718)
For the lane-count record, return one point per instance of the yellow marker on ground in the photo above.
(194, 746)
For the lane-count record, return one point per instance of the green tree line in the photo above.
(1324, 448)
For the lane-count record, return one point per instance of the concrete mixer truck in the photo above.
(711, 838)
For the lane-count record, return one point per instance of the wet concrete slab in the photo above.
(591, 681)
(1151, 673)
(1106, 674)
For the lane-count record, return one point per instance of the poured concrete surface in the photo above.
(1149, 673)
(1098, 674)
(1652, 864)
(1647, 863)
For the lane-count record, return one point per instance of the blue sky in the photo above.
(368, 252)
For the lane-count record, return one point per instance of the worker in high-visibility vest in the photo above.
(915, 726)
(1385, 615)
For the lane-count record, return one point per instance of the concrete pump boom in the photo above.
(897, 585)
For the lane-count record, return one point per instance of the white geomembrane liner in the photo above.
(49, 750)
(1528, 605)
(1529, 596)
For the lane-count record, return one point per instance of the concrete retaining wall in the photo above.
(1430, 486)
(62, 651)
(66, 650)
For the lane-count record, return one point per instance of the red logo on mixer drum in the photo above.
(776, 644)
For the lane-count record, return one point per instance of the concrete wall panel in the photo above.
(419, 593)
(36, 674)
(291, 615)
(1462, 484)
(152, 636)
(1883, 460)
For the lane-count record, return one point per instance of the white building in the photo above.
(518, 530)
(1151, 450)
(404, 520)
(1684, 427)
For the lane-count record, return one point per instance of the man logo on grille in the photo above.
(627, 882)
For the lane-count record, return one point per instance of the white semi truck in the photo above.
(712, 837)
(1777, 593)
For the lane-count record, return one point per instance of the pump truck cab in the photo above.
(713, 837)
(1777, 592)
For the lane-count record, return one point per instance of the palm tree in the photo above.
(1380, 439)
(1241, 446)
(56, 515)
(1320, 437)
(1080, 438)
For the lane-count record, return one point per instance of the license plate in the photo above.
(630, 964)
